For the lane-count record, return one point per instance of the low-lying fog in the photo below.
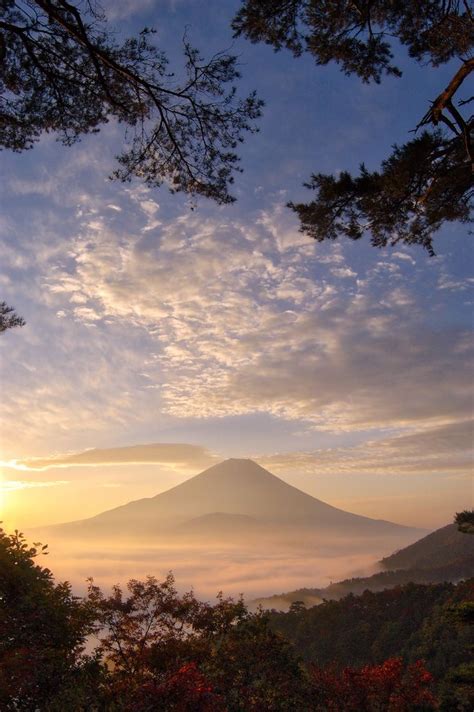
(249, 569)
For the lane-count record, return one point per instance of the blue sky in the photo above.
(342, 368)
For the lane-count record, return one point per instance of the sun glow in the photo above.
(8, 486)
(13, 465)
(12, 485)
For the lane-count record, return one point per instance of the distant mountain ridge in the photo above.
(232, 497)
(444, 555)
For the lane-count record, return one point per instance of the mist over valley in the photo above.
(234, 527)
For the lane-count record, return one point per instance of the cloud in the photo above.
(70, 378)
(404, 256)
(178, 455)
(125, 9)
(13, 485)
(245, 318)
(456, 437)
(442, 450)
(343, 272)
(452, 284)
(217, 314)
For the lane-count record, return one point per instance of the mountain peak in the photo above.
(241, 461)
(235, 473)
(239, 487)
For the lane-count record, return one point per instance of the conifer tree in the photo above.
(424, 182)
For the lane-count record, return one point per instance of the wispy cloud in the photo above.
(13, 485)
(444, 450)
(250, 329)
(176, 455)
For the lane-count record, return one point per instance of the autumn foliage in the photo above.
(391, 687)
(186, 689)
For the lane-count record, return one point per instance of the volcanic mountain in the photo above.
(230, 500)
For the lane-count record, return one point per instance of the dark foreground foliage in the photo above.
(43, 629)
(155, 649)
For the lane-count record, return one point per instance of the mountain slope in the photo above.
(234, 488)
(444, 555)
(381, 581)
(442, 547)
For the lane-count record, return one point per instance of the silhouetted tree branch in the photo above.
(63, 71)
(8, 318)
(424, 182)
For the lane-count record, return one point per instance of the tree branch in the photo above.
(433, 116)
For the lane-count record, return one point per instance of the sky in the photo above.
(162, 339)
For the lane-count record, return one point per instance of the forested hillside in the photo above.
(380, 581)
(413, 621)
